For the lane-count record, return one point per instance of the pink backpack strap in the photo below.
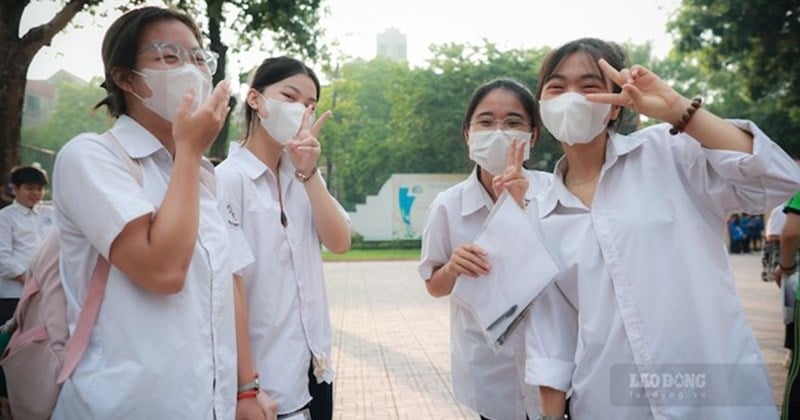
(77, 342)
(79, 339)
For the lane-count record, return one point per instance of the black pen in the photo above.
(506, 314)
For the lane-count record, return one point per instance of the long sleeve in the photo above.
(739, 182)
(551, 334)
(10, 267)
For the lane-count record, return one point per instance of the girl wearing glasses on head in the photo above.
(657, 331)
(500, 120)
(141, 197)
(271, 187)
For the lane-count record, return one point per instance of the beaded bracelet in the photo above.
(247, 394)
(679, 126)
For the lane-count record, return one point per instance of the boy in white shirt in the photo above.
(23, 225)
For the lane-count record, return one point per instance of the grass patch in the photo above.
(373, 255)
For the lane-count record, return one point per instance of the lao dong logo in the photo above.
(662, 380)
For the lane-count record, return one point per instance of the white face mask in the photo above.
(489, 149)
(283, 119)
(573, 119)
(167, 87)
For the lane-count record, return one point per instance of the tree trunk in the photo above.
(12, 88)
(214, 12)
(16, 55)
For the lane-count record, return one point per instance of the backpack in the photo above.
(41, 354)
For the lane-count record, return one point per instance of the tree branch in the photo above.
(42, 35)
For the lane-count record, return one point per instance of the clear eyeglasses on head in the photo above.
(174, 55)
(508, 123)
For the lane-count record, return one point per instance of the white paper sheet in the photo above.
(520, 268)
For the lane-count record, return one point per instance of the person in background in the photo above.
(23, 225)
(271, 188)
(499, 113)
(164, 345)
(769, 261)
(755, 231)
(642, 311)
(787, 266)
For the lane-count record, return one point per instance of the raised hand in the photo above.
(195, 131)
(513, 178)
(469, 260)
(304, 150)
(643, 91)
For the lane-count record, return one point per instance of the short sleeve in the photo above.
(436, 246)
(230, 201)
(95, 193)
(793, 206)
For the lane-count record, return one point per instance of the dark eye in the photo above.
(515, 124)
(554, 86)
(171, 58)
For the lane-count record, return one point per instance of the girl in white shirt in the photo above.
(271, 187)
(499, 113)
(638, 223)
(164, 342)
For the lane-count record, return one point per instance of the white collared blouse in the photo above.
(288, 307)
(21, 231)
(492, 384)
(658, 330)
(150, 355)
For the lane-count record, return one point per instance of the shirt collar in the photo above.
(22, 208)
(135, 139)
(254, 167)
(473, 195)
(618, 145)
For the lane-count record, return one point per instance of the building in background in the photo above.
(391, 44)
(40, 96)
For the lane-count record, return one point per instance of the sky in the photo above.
(354, 24)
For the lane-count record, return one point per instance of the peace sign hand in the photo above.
(643, 91)
(513, 178)
(304, 148)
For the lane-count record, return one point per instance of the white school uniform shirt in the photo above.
(287, 302)
(21, 231)
(649, 284)
(777, 218)
(150, 355)
(489, 383)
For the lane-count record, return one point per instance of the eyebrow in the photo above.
(587, 76)
(297, 91)
(510, 114)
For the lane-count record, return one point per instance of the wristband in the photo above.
(246, 394)
(304, 177)
(787, 269)
(250, 385)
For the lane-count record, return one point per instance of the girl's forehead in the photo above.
(580, 61)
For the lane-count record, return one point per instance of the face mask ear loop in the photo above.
(133, 92)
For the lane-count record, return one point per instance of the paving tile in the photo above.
(392, 340)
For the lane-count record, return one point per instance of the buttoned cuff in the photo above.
(738, 165)
(552, 373)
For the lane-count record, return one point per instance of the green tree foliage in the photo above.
(389, 118)
(72, 114)
(754, 45)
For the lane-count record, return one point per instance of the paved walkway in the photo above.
(391, 340)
